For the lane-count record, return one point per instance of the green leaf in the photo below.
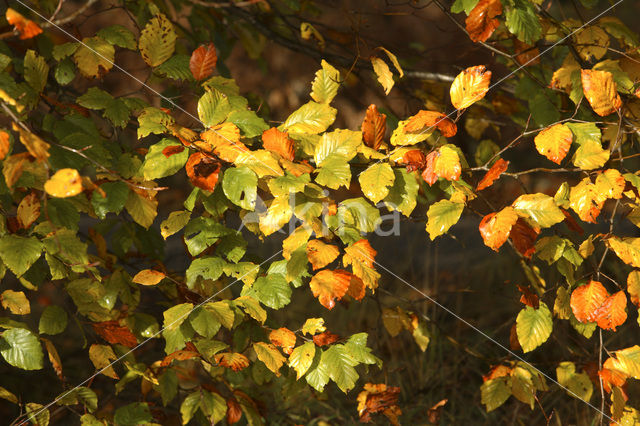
(301, 358)
(272, 290)
(358, 212)
(141, 209)
(213, 108)
(174, 223)
(240, 186)
(117, 194)
(311, 117)
(61, 51)
(190, 405)
(35, 70)
(495, 392)
(252, 307)
(402, 195)
(80, 395)
(5, 394)
(133, 414)
(53, 320)
(153, 120)
(176, 67)
(65, 72)
(441, 216)
(157, 40)
(19, 253)
(37, 415)
(94, 57)
(521, 19)
(21, 348)
(326, 84)
(463, 5)
(175, 316)
(357, 348)
(533, 326)
(157, 165)
(63, 213)
(209, 268)
(202, 232)
(118, 36)
(578, 384)
(342, 142)
(334, 172)
(95, 98)
(376, 180)
(168, 383)
(249, 123)
(340, 365)
(540, 208)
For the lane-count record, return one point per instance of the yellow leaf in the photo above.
(278, 214)
(561, 78)
(376, 181)
(554, 142)
(28, 210)
(470, 86)
(270, 355)
(313, 326)
(65, 183)
(610, 184)
(385, 77)
(94, 57)
(16, 302)
(148, 277)
(585, 200)
(591, 42)
(361, 256)
(296, 239)
(627, 249)
(600, 90)
(157, 40)
(590, 155)
(308, 31)
(284, 338)
(321, 254)
(394, 60)
(261, 161)
(36, 146)
(447, 164)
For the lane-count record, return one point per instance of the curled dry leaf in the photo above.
(148, 277)
(600, 90)
(279, 142)
(496, 227)
(528, 298)
(424, 120)
(524, 237)
(325, 338)
(493, 174)
(113, 332)
(554, 142)
(26, 27)
(586, 299)
(64, 183)
(482, 22)
(203, 61)
(470, 86)
(374, 127)
(328, 286)
(203, 171)
(414, 160)
(378, 398)
(321, 254)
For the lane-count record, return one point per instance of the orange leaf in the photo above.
(611, 376)
(613, 311)
(180, 355)
(600, 90)
(470, 86)
(497, 371)
(524, 237)
(377, 398)
(232, 360)
(4, 144)
(447, 164)
(426, 119)
(321, 254)
(356, 288)
(203, 171)
(284, 338)
(585, 200)
(24, 26)
(234, 411)
(64, 183)
(374, 127)
(202, 61)
(482, 22)
(633, 287)
(554, 142)
(172, 150)
(361, 251)
(571, 222)
(325, 338)
(276, 141)
(496, 227)
(428, 174)
(525, 54)
(528, 298)
(330, 285)
(113, 332)
(586, 299)
(493, 174)
(148, 277)
(414, 160)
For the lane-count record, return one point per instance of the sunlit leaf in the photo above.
(384, 74)
(374, 127)
(321, 254)
(533, 326)
(157, 40)
(148, 277)
(496, 227)
(600, 91)
(586, 299)
(482, 22)
(328, 286)
(26, 27)
(493, 174)
(554, 142)
(539, 208)
(441, 216)
(470, 86)
(203, 61)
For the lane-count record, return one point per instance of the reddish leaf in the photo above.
(172, 150)
(497, 371)
(234, 411)
(113, 332)
(428, 174)
(356, 288)
(202, 61)
(178, 356)
(529, 298)
(376, 398)
(24, 26)
(514, 343)
(586, 299)
(482, 22)
(276, 141)
(526, 55)
(613, 311)
(493, 174)
(232, 360)
(424, 120)
(374, 127)
(203, 171)
(524, 237)
(4, 144)
(611, 376)
(326, 338)
(414, 160)
(434, 412)
(571, 222)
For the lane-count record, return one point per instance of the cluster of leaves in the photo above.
(79, 197)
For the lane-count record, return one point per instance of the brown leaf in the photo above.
(514, 343)
(325, 338)
(482, 22)
(234, 411)
(374, 127)
(529, 298)
(172, 150)
(279, 142)
(356, 288)
(202, 61)
(5, 145)
(524, 237)
(493, 174)
(203, 171)
(28, 210)
(424, 120)
(571, 222)
(54, 358)
(113, 332)
(414, 160)
(525, 54)
(376, 398)
(434, 412)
